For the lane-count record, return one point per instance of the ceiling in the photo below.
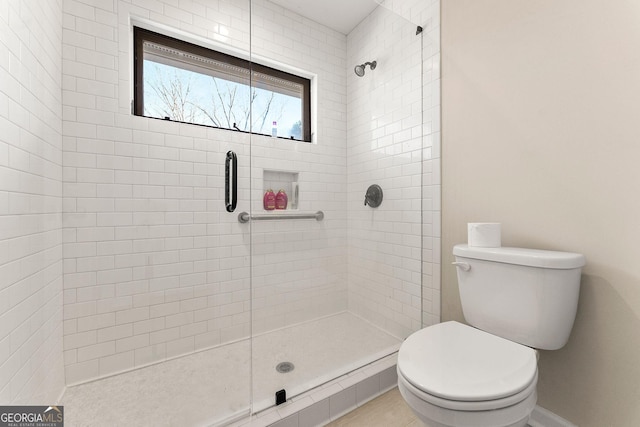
(341, 15)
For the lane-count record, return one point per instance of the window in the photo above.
(180, 81)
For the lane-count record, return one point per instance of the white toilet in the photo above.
(519, 300)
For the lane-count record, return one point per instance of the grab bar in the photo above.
(244, 217)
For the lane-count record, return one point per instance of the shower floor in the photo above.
(214, 385)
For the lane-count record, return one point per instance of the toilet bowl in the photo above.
(451, 374)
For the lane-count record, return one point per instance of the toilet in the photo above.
(484, 374)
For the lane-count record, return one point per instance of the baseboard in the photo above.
(541, 417)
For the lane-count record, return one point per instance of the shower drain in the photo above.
(285, 367)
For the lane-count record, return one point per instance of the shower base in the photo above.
(214, 385)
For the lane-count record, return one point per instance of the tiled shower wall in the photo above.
(300, 265)
(426, 13)
(31, 367)
(392, 137)
(154, 265)
(385, 148)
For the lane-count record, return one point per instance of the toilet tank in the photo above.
(528, 296)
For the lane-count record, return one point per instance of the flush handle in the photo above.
(462, 265)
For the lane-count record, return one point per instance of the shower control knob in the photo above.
(373, 196)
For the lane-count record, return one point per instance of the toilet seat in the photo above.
(459, 367)
(468, 414)
(456, 405)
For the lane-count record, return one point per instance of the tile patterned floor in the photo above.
(194, 390)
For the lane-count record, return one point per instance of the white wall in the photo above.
(154, 265)
(385, 148)
(541, 130)
(300, 266)
(393, 141)
(427, 13)
(31, 368)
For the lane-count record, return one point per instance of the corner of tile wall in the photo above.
(400, 152)
(31, 256)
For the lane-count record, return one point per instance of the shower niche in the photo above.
(285, 181)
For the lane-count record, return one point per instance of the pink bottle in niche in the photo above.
(281, 200)
(269, 200)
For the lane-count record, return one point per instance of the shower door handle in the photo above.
(231, 181)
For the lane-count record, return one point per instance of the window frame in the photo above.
(141, 34)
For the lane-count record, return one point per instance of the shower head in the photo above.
(359, 69)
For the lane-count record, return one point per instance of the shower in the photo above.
(170, 257)
(359, 69)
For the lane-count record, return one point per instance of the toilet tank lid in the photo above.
(522, 256)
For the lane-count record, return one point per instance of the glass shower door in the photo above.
(335, 282)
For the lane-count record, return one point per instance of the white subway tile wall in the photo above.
(429, 13)
(31, 324)
(385, 134)
(299, 266)
(154, 265)
(426, 14)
